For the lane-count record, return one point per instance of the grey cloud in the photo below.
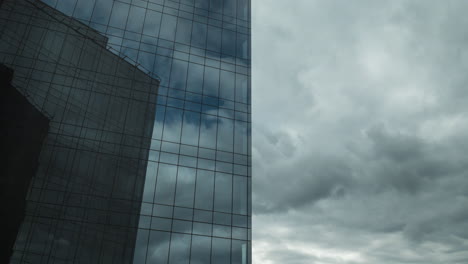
(286, 256)
(398, 148)
(407, 163)
(360, 131)
(305, 183)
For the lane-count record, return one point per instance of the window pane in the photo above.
(222, 231)
(240, 137)
(195, 78)
(102, 11)
(229, 42)
(66, 7)
(225, 134)
(211, 81)
(222, 218)
(199, 32)
(223, 192)
(190, 128)
(119, 15)
(208, 129)
(168, 27)
(215, 6)
(152, 22)
(239, 196)
(178, 74)
(146, 60)
(221, 251)
(180, 249)
(185, 187)
(243, 9)
(172, 124)
(227, 80)
(159, 122)
(150, 182)
(158, 247)
(242, 46)
(141, 246)
(165, 184)
(135, 19)
(214, 39)
(184, 29)
(162, 66)
(202, 4)
(84, 9)
(241, 88)
(239, 252)
(204, 190)
(201, 247)
(202, 228)
(230, 7)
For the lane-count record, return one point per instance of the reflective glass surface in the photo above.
(189, 166)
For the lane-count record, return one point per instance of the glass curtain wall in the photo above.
(85, 194)
(196, 200)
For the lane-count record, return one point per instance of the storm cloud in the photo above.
(360, 131)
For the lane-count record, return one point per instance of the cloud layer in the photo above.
(360, 130)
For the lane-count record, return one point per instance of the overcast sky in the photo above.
(360, 131)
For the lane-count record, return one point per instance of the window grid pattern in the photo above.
(84, 201)
(195, 205)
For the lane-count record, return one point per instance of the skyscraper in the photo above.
(154, 166)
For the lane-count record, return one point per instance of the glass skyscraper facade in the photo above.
(147, 157)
